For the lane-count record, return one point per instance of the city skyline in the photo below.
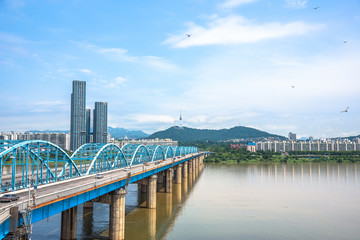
(278, 66)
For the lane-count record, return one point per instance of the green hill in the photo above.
(185, 134)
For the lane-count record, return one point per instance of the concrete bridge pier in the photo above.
(151, 192)
(168, 181)
(160, 181)
(142, 190)
(88, 210)
(117, 215)
(178, 171)
(68, 224)
(185, 170)
(190, 168)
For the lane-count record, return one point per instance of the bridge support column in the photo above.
(151, 192)
(160, 181)
(68, 224)
(168, 182)
(142, 189)
(88, 210)
(178, 174)
(193, 170)
(117, 215)
(190, 168)
(185, 170)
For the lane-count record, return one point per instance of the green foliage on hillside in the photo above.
(191, 134)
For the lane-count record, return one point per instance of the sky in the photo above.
(276, 65)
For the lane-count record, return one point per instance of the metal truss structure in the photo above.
(31, 163)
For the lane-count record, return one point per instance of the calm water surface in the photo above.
(239, 201)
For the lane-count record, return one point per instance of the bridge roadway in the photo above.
(56, 197)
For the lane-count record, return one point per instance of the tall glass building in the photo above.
(88, 112)
(78, 120)
(100, 122)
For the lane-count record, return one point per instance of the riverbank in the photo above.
(243, 156)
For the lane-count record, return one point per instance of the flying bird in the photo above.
(345, 41)
(293, 86)
(346, 110)
(316, 8)
(188, 35)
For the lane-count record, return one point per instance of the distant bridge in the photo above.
(50, 181)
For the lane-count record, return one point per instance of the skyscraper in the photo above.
(88, 112)
(100, 122)
(77, 121)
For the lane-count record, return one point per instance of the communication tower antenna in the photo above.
(180, 120)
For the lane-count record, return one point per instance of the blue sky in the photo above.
(236, 68)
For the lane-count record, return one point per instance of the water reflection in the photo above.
(272, 201)
(238, 201)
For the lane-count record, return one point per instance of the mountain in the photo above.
(122, 132)
(191, 134)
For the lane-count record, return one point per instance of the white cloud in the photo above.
(295, 4)
(158, 62)
(16, 3)
(114, 83)
(87, 71)
(236, 29)
(46, 106)
(6, 37)
(235, 3)
(120, 54)
(48, 103)
(149, 118)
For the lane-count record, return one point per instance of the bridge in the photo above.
(49, 181)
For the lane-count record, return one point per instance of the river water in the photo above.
(238, 201)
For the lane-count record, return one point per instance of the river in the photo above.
(238, 201)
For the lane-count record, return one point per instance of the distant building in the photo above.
(88, 118)
(251, 147)
(100, 122)
(60, 139)
(292, 136)
(78, 115)
(328, 146)
(156, 141)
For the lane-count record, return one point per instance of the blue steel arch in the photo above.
(136, 154)
(36, 159)
(169, 152)
(84, 155)
(156, 152)
(108, 157)
(176, 150)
